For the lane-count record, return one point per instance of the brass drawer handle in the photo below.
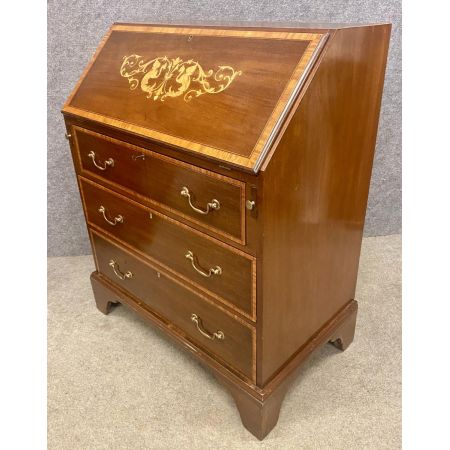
(108, 162)
(198, 323)
(213, 271)
(213, 204)
(119, 274)
(115, 221)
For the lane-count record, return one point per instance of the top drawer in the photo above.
(200, 196)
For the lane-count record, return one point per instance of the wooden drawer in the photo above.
(169, 243)
(178, 303)
(170, 183)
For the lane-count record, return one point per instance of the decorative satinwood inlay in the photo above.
(97, 258)
(163, 77)
(220, 93)
(211, 241)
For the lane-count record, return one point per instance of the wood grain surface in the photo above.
(301, 110)
(258, 96)
(315, 191)
(161, 180)
(177, 303)
(167, 242)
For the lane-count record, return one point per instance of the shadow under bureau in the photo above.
(224, 174)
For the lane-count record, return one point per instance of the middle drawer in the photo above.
(223, 272)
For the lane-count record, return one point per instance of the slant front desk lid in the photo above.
(219, 93)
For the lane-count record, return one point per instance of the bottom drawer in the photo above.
(207, 325)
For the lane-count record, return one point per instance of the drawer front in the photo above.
(205, 324)
(211, 200)
(223, 272)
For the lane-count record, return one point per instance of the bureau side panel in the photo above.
(315, 191)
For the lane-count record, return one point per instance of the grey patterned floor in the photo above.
(117, 383)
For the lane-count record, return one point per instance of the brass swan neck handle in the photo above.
(113, 222)
(211, 206)
(212, 271)
(108, 163)
(118, 273)
(211, 336)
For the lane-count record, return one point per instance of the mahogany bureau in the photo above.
(224, 174)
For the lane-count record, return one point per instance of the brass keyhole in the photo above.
(189, 39)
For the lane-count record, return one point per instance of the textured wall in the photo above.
(75, 28)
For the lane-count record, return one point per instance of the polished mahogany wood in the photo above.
(177, 85)
(162, 179)
(259, 413)
(259, 408)
(104, 300)
(167, 242)
(292, 179)
(344, 336)
(249, 181)
(176, 303)
(319, 194)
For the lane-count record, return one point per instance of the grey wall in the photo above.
(75, 28)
